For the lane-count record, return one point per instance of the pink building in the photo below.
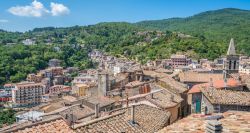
(27, 94)
(180, 60)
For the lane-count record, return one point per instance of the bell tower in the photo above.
(231, 64)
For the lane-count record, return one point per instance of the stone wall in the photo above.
(175, 113)
(206, 106)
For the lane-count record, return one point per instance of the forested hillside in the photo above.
(18, 60)
(218, 25)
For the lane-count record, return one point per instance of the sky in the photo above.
(24, 15)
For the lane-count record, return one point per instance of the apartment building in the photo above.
(27, 94)
(180, 60)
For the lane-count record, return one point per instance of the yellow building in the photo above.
(80, 89)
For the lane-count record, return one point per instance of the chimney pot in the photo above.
(172, 97)
(211, 82)
(97, 110)
(133, 114)
(213, 126)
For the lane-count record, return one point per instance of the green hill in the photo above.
(219, 25)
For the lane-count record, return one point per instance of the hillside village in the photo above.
(122, 95)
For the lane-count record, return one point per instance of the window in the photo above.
(234, 64)
(230, 64)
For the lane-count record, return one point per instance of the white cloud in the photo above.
(4, 21)
(58, 9)
(37, 9)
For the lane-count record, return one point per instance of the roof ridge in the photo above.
(96, 120)
(14, 129)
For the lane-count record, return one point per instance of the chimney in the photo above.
(70, 119)
(240, 80)
(133, 114)
(141, 78)
(97, 110)
(211, 82)
(152, 95)
(213, 126)
(172, 98)
(225, 78)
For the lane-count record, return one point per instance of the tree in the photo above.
(7, 116)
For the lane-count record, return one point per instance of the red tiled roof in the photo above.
(217, 84)
(197, 88)
(8, 85)
(230, 83)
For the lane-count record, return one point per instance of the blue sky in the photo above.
(23, 15)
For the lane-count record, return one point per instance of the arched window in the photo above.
(230, 62)
(235, 64)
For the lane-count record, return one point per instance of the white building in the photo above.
(118, 69)
(195, 66)
(28, 42)
(8, 88)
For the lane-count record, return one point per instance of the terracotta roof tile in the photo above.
(176, 86)
(199, 77)
(227, 97)
(197, 88)
(155, 74)
(55, 126)
(149, 120)
(163, 99)
(233, 122)
(135, 84)
(219, 84)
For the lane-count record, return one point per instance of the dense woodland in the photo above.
(209, 32)
(7, 117)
